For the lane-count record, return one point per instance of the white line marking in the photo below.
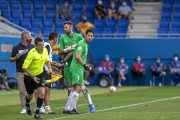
(8, 93)
(77, 105)
(118, 107)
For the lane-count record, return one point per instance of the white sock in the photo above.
(47, 107)
(74, 100)
(86, 94)
(68, 105)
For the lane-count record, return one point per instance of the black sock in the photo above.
(39, 104)
(27, 100)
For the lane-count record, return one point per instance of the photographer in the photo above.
(3, 79)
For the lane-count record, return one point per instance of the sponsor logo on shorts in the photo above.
(79, 48)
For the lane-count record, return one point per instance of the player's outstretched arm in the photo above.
(68, 56)
(70, 48)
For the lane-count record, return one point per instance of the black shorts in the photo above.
(47, 77)
(31, 85)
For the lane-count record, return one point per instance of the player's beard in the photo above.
(68, 32)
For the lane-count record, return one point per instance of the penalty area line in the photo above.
(117, 107)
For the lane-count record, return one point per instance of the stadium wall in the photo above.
(149, 49)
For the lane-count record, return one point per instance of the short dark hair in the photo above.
(38, 39)
(175, 55)
(89, 30)
(158, 57)
(138, 55)
(53, 35)
(68, 22)
(65, 1)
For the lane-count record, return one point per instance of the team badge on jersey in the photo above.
(74, 40)
(79, 48)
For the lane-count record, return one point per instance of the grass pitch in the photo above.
(127, 103)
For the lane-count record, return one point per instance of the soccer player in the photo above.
(53, 38)
(67, 44)
(34, 75)
(19, 59)
(79, 61)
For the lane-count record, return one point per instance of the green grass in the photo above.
(103, 100)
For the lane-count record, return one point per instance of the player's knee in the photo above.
(30, 96)
(41, 94)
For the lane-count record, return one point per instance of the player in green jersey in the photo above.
(67, 44)
(77, 67)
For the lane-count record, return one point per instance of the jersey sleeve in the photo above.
(80, 37)
(14, 52)
(61, 43)
(28, 60)
(80, 47)
(47, 54)
(48, 48)
(90, 25)
(77, 25)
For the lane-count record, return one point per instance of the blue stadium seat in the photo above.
(59, 23)
(35, 30)
(175, 24)
(26, 5)
(99, 23)
(90, 5)
(50, 5)
(167, 6)
(177, 6)
(77, 14)
(110, 23)
(3, 5)
(77, 6)
(129, 3)
(59, 30)
(164, 24)
(165, 15)
(75, 30)
(16, 14)
(176, 15)
(15, 21)
(98, 31)
(121, 33)
(38, 5)
(48, 23)
(162, 31)
(27, 14)
(36, 23)
(173, 33)
(25, 23)
(74, 21)
(39, 14)
(108, 31)
(46, 31)
(15, 5)
(106, 4)
(51, 14)
(123, 23)
(89, 14)
(91, 21)
(6, 14)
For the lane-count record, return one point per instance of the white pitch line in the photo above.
(77, 105)
(8, 93)
(118, 107)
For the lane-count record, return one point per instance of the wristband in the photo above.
(32, 77)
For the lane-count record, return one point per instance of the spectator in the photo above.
(132, 1)
(84, 25)
(64, 11)
(3, 79)
(158, 69)
(125, 12)
(1, 16)
(174, 67)
(100, 11)
(122, 70)
(138, 69)
(108, 64)
(112, 11)
(87, 74)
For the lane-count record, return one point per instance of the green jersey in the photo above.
(83, 49)
(66, 41)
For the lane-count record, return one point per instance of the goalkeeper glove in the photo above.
(90, 69)
(70, 48)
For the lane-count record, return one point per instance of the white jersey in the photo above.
(48, 45)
